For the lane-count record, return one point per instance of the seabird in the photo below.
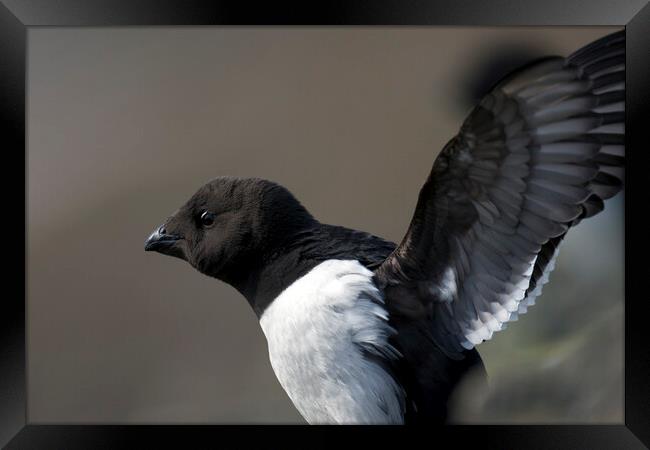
(363, 331)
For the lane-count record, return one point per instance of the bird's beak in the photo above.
(162, 242)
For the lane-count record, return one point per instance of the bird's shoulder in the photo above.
(338, 242)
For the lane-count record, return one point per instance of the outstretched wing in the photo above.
(538, 154)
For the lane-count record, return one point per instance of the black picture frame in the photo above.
(17, 16)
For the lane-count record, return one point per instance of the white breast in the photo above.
(317, 331)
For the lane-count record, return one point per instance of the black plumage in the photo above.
(527, 165)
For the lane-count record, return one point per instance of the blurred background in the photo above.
(124, 124)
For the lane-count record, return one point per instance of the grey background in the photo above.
(124, 124)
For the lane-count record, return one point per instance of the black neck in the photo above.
(272, 272)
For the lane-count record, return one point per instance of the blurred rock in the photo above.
(547, 388)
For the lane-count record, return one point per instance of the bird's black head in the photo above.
(231, 226)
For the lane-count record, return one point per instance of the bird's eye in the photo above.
(207, 219)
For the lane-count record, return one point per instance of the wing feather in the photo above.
(537, 155)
